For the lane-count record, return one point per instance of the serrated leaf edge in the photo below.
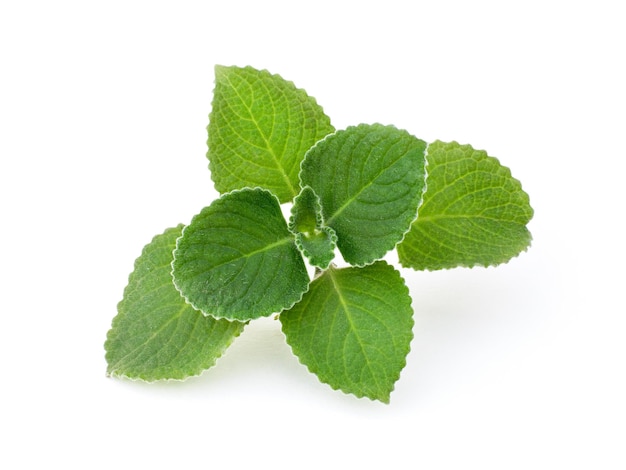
(319, 216)
(473, 265)
(124, 376)
(308, 255)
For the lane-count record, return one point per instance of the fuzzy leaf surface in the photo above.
(474, 212)
(370, 180)
(306, 212)
(238, 260)
(260, 127)
(315, 240)
(353, 329)
(156, 335)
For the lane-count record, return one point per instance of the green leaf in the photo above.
(306, 213)
(315, 240)
(474, 212)
(319, 247)
(353, 329)
(260, 127)
(156, 335)
(370, 180)
(237, 259)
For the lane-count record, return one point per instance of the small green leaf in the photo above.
(315, 240)
(306, 212)
(260, 127)
(319, 247)
(474, 212)
(237, 259)
(353, 329)
(156, 335)
(370, 180)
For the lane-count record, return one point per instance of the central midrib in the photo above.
(268, 146)
(352, 198)
(276, 244)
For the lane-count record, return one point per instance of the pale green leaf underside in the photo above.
(237, 259)
(474, 212)
(370, 180)
(260, 127)
(156, 335)
(315, 240)
(353, 329)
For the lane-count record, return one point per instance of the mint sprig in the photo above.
(361, 191)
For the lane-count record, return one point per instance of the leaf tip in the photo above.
(219, 70)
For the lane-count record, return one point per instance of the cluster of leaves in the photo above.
(357, 193)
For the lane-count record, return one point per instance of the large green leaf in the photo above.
(353, 329)
(474, 212)
(260, 127)
(156, 334)
(370, 180)
(237, 259)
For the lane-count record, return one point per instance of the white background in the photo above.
(103, 109)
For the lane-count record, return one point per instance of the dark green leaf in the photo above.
(370, 180)
(237, 259)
